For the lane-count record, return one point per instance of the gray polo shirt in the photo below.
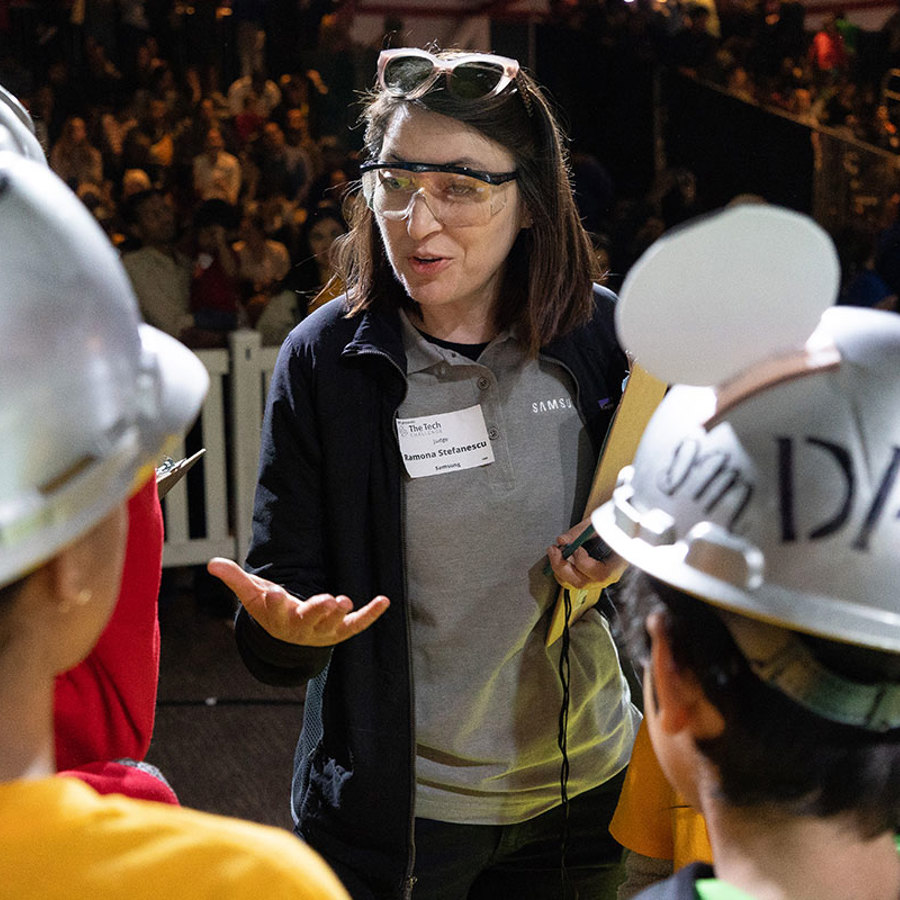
(487, 690)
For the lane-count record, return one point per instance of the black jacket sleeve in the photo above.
(287, 546)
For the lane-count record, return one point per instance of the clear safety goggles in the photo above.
(409, 72)
(456, 196)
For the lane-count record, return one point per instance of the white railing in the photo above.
(221, 491)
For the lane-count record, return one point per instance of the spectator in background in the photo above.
(248, 122)
(215, 286)
(160, 274)
(158, 140)
(74, 158)
(267, 94)
(117, 119)
(295, 93)
(283, 222)
(97, 198)
(298, 133)
(262, 264)
(337, 169)
(313, 280)
(216, 173)
(283, 169)
(192, 137)
(828, 56)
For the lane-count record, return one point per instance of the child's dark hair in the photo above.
(773, 751)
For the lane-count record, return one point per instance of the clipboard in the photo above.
(642, 395)
(170, 472)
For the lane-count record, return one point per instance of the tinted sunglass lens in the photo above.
(405, 74)
(470, 81)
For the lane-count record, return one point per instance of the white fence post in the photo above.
(247, 398)
(180, 549)
(232, 455)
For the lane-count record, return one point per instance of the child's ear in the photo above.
(681, 703)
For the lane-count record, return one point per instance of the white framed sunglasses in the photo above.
(410, 72)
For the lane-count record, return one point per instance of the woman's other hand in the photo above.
(581, 569)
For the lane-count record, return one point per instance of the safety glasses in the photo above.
(409, 72)
(456, 196)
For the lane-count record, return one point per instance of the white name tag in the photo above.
(448, 442)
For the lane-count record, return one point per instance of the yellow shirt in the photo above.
(60, 840)
(652, 818)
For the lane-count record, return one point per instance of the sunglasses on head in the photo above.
(409, 72)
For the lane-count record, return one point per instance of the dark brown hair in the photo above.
(773, 752)
(546, 287)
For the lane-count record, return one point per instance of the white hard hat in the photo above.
(89, 396)
(17, 129)
(783, 507)
(775, 496)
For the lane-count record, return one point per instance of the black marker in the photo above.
(599, 552)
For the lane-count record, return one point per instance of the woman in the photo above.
(309, 284)
(315, 272)
(426, 437)
(112, 394)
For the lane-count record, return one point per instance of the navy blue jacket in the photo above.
(680, 886)
(327, 519)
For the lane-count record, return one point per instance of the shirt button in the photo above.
(493, 432)
(483, 383)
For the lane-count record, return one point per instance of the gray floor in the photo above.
(224, 741)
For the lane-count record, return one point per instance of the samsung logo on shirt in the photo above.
(542, 406)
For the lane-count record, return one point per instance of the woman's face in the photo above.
(322, 234)
(447, 269)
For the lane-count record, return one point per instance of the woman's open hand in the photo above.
(320, 621)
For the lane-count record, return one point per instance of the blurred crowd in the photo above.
(214, 143)
(836, 76)
(220, 181)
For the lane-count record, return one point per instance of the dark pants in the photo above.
(514, 862)
(523, 861)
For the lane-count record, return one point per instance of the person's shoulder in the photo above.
(680, 886)
(602, 321)
(604, 300)
(136, 256)
(328, 326)
(219, 855)
(256, 860)
(74, 833)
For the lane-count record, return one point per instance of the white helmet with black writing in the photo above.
(775, 495)
(90, 397)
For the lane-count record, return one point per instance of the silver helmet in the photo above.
(89, 396)
(775, 496)
(17, 130)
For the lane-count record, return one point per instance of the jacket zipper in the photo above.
(409, 879)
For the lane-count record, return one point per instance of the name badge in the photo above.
(448, 442)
